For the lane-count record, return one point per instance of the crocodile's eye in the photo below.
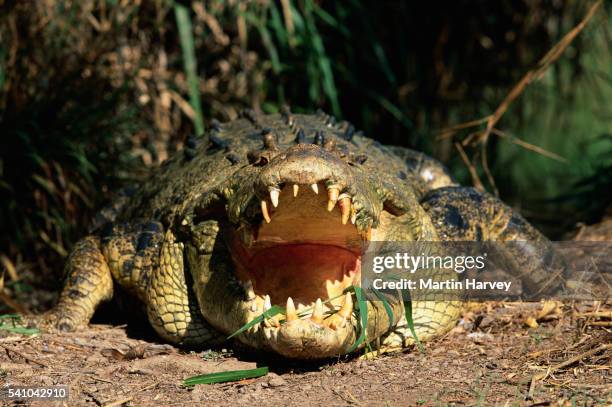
(259, 158)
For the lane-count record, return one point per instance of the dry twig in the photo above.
(26, 357)
(543, 375)
(481, 138)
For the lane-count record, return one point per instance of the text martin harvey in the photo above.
(431, 284)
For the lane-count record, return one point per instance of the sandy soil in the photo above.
(491, 358)
(502, 354)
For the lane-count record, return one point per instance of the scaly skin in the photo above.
(185, 241)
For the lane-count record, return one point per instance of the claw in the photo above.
(290, 314)
(264, 211)
(317, 313)
(274, 194)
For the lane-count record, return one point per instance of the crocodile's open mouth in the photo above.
(306, 249)
(296, 236)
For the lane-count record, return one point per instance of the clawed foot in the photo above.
(49, 322)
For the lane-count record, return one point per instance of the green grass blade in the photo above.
(19, 329)
(323, 61)
(330, 20)
(266, 40)
(387, 306)
(10, 316)
(362, 308)
(278, 27)
(276, 309)
(183, 22)
(222, 377)
(410, 323)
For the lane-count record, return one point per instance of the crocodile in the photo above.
(273, 210)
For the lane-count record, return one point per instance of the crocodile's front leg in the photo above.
(145, 261)
(149, 263)
(171, 304)
(88, 283)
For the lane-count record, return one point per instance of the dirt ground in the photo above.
(505, 354)
(490, 358)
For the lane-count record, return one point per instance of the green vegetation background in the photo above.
(94, 92)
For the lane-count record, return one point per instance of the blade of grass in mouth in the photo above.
(276, 309)
(362, 309)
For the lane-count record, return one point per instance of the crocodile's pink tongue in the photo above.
(303, 272)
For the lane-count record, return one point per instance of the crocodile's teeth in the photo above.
(347, 308)
(267, 303)
(248, 289)
(271, 333)
(264, 211)
(290, 314)
(353, 215)
(344, 202)
(332, 194)
(274, 194)
(254, 307)
(271, 322)
(317, 313)
(315, 188)
(296, 188)
(344, 314)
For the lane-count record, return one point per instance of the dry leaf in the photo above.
(531, 322)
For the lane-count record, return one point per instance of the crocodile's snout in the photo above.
(305, 164)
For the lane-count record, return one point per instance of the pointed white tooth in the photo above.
(332, 194)
(268, 333)
(315, 188)
(344, 201)
(254, 307)
(290, 314)
(317, 313)
(267, 303)
(264, 211)
(296, 188)
(248, 289)
(353, 215)
(274, 194)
